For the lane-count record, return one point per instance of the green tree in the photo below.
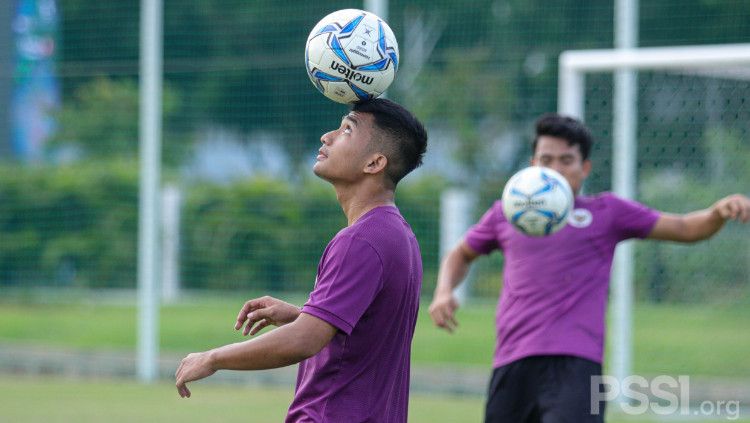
(102, 120)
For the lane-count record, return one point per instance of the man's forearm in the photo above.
(452, 272)
(702, 224)
(278, 348)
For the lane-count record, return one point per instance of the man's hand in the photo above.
(195, 366)
(733, 207)
(265, 311)
(443, 310)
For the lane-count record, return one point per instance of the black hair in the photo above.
(402, 137)
(570, 129)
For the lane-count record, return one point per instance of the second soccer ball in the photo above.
(537, 201)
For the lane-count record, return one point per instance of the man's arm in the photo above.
(701, 224)
(287, 345)
(452, 272)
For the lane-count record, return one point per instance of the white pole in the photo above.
(378, 7)
(150, 157)
(456, 213)
(570, 92)
(170, 258)
(678, 58)
(624, 160)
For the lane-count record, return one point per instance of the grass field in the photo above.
(693, 340)
(669, 339)
(57, 400)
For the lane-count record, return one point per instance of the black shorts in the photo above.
(544, 389)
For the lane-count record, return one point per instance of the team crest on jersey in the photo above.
(580, 218)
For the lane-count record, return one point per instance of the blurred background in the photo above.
(242, 215)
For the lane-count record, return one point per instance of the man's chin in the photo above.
(318, 172)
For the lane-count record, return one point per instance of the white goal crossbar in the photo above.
(574, 64)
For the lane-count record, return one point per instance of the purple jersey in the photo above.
(555, 288)
(368, 286)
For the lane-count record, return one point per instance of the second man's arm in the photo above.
(453, 270)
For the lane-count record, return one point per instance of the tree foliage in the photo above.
(102, 120)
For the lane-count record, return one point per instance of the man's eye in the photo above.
(347, 130)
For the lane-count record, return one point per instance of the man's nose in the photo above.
(556, 165)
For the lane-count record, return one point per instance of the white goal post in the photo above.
(573, 67)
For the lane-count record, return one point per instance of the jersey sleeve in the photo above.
(349, 278)
(483, 236)
(632, 219)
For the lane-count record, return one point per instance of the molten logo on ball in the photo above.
(350, 75)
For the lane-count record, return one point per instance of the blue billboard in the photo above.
(35, 94)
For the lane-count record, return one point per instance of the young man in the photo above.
(551, 317)
(353, 336)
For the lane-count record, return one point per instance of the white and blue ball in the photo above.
(537, 201)
(351, 55)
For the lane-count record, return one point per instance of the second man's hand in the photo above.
(443, 311)
(733, 207)
(265, 311)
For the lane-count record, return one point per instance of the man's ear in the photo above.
(376, 163)
(586, 168)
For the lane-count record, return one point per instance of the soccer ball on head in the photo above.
(537, 201)
(351, 55)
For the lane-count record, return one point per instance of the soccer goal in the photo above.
(678, 119)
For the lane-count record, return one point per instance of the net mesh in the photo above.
(242, 123)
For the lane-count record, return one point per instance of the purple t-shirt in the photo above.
(368, 285)
(555, 288)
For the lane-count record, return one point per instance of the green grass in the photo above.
(205, 324)
(695, 340)
(669, 339)
(58, 400)
(50, 400)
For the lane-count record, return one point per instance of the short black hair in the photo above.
(402, 137)
(568, 128)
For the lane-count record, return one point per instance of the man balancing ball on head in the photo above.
(551, 313)
(353, 336)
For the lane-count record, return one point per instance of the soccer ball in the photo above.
(351, 55)
(537, 201)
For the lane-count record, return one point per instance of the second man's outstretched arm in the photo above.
(453, 270)
(701, 224)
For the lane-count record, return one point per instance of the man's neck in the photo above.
(356, 201)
